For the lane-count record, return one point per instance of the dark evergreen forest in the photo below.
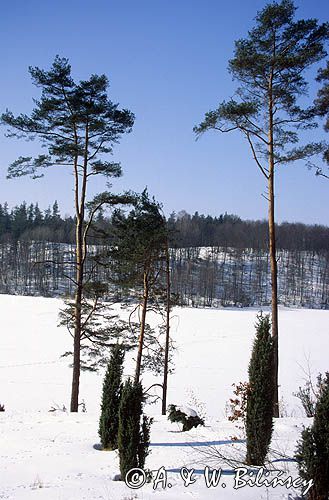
(29, 223)
(214, 261)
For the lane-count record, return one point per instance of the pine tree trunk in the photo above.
(272, 252)
(81, 253)
(76, 354)
(142, 327)
(166, 358)
(77, 320)
(274, 301)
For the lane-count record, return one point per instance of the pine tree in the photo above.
(30, 215)
(55, 211)
(19, 220)
(134, 429)
(112, 387)
(270, 64)
(322, 109)
(140, 244)
(47, 216)
(259, 417)
(38, 217)
(313, 450)
(78, 125)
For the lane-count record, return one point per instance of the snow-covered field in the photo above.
(50, 455)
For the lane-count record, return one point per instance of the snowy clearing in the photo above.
(50, 455)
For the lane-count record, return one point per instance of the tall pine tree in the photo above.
(269, 66)
(77, 124)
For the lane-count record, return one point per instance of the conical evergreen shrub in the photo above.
(313, 449)
(112, 387)
(144, 441)
(259, 417)
(134, 429)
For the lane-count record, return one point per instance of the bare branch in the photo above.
(255, 156)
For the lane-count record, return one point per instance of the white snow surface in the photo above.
(189, 412)
(50, 455)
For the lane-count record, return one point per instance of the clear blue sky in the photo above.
(167, 62)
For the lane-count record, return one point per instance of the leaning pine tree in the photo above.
(112, 387)
(139, 248)
(313, 450)
(134, 429)
(259, 418)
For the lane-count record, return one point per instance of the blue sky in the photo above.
(167, 62)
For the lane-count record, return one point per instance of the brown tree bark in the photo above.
(77, 317)
(166, 358)
(142, 326)
(272, 251)
(274, 294)
(81, 253)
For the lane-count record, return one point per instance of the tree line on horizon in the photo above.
(29, 223)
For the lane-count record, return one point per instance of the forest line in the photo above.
(29, 223)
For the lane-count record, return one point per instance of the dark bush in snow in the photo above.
(259, 418)
(313, 450)
(184, 415)
(112, 387)
(134, 429)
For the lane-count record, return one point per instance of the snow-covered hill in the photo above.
(200, 276)
(50, 455)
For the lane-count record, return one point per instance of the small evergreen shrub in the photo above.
(144, 441)
(134, 429)
(189, 421)
(312, 453)
(112, 387)
(259, 413)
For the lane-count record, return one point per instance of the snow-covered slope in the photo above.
(50, 455)
(200, 276)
